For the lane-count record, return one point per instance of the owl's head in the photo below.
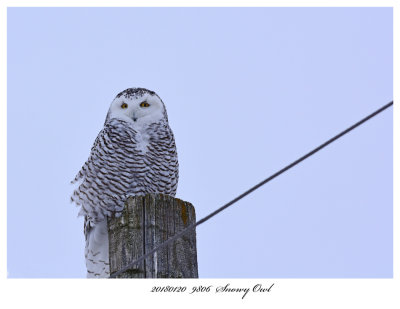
(138, 106)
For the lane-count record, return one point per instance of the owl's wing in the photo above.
(173, 164)
(100, 190)
(94, 153)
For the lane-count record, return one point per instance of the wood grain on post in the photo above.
(146, 222)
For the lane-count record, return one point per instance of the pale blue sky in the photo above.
(248, 90)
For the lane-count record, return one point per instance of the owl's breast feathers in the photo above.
(122, 162)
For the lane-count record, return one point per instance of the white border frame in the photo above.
(286, 293)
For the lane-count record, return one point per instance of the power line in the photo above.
(194, 225)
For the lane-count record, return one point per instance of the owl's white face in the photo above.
(138, 110)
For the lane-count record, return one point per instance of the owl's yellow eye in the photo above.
(124, 105)
(144, 104)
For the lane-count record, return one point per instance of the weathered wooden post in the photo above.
(146, 222)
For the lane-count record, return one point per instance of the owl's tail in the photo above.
(96, 250)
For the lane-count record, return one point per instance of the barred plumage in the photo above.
(133, 154)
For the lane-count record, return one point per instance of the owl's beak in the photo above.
(134, 117)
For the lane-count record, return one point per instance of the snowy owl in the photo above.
(133, 154)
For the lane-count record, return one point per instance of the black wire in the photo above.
(193, 226)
